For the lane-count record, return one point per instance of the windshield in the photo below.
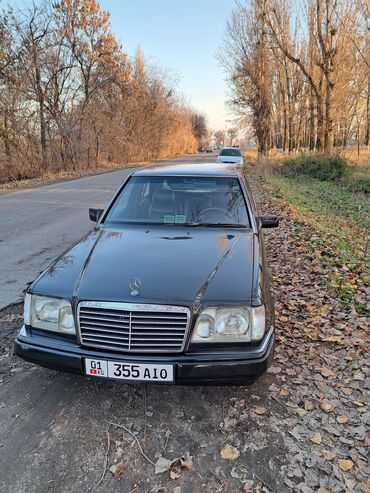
(230, 152)
(180, 200)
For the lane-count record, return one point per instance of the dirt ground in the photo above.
(303, 427)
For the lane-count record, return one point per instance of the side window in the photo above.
(122, 204)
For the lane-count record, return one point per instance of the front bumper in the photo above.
(200, 368)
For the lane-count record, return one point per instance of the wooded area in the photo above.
(71, 98)
(300, 72)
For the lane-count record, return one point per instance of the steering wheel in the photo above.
(217, 209)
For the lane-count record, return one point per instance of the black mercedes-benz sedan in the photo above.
(171, 285)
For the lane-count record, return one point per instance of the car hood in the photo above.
(229, 159)
(175, 265)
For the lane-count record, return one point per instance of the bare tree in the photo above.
(302, 81)
(232, 134)
(246, 59)
(199, 124)
(220, 136)
(71, 98)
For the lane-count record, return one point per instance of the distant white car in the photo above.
(230, 155)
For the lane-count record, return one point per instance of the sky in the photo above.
(184, 37)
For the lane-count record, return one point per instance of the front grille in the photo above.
(129, 327)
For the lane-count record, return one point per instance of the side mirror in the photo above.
(95, 214)
(269, 221)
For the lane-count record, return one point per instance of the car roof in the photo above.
(189, 169)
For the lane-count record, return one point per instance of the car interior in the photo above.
(181, 200)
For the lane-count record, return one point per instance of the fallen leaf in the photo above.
(274, 370)
(334, 339)
(162, 465)
(119, 452)
(229, 452)
(326, 405)
(359, 377)
(309, 405)
(175, 472)
(323, 490)
(117, 469)
(329, 454)
(284, 392)
(248, 485)
(350, 483)
(327, 372)
(345, 464)
(315, 437)
(324, 309)
(259, 409)
(358, 403)
(342, 419)
(346, 391)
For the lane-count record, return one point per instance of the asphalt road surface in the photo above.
(38, 224)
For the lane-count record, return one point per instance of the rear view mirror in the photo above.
(269, 221)
(95, 214)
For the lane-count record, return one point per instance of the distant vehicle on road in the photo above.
(230, 155)
(209, 149)
(171, 286)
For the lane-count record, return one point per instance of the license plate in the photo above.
(129, 371)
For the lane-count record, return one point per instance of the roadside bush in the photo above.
(360, 185)
(320, 167)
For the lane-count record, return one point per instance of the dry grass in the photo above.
(50, 177)
(359, 158)
(351, 152)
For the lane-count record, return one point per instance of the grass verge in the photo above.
(336, 219)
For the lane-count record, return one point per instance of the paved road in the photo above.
(38, 224)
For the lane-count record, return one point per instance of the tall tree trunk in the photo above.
(43, 135)
(264, 116)
(320, 126)
(285, 130)
(328, 52)
(367, 131)
(312, 121)
(328, 134)
(290, 115)
(7, 147)
(41, 103)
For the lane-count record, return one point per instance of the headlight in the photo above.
(46, 313)
(239, 324)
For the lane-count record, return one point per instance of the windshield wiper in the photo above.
(216, 225)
